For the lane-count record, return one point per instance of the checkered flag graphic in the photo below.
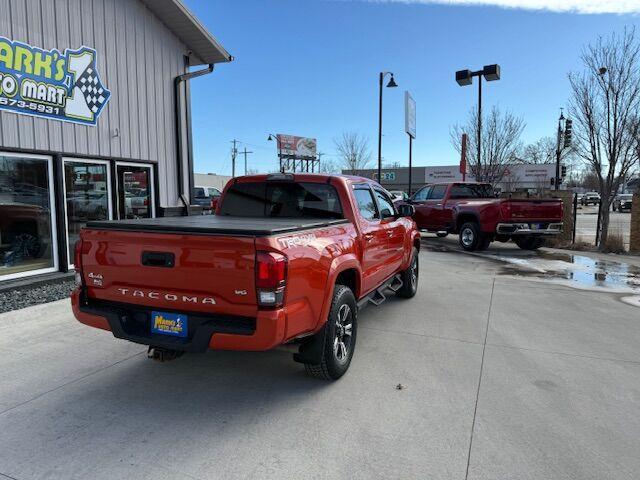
(94, 93)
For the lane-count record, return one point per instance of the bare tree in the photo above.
(353, 150)
(605, 103)
(329, 166)
(540, 152)
(501, 133)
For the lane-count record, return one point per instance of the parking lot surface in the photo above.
(508, 369)
(587, 221)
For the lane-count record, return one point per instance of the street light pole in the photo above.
(275, 137)
(391, 84)
(558, 151)
(464, 78)
(479, 118)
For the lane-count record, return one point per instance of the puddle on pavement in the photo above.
(574, 270)
(577, 271)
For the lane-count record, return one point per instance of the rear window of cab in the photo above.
(282, 200)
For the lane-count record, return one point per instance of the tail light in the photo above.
(79, 249)
(271, 278)
(145, 202)
(214, 203)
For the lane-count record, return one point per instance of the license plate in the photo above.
(174, 324)
(534, 226)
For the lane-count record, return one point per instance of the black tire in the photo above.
(471, 237)
(335, 361)
(410, 277)
(529, 243)
(441, 234)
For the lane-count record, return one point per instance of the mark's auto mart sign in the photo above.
(50, 84)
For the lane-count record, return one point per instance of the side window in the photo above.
(366, 204)
(385, 204)
(437, 192)
(422, 194)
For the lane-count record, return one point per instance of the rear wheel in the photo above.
(410, 277)
(471, 237)
(529, 243)
(339, 337)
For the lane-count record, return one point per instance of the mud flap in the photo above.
(311, 350)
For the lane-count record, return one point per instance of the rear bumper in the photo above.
(521, 228)
(225, 332)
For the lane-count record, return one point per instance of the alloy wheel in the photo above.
(343, 334)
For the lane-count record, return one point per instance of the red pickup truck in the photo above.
(472, 211)
(287, 259)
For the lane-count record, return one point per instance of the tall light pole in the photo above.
(392, 83)
(465, 77)
(271, 138)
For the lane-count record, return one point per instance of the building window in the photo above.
(87, 187)
(27, 211)
(135, 190)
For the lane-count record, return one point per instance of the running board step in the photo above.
(377, 297)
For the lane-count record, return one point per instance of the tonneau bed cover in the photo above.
(216, 225)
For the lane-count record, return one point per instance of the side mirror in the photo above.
(406, 210)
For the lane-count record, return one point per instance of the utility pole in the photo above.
(234, 153)
(245, 152)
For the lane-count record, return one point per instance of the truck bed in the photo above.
(216, 225)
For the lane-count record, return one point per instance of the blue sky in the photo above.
(310, 68)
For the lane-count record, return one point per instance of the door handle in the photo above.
(368, 237)
(158, 259)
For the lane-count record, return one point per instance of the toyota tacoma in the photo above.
(287, 259)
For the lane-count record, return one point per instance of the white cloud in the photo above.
(570, 6)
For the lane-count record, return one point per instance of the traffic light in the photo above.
(564, 171)
(568, 128)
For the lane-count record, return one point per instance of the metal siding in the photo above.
(99, 26)
(26, 136)
(50, 36)
(34, 25)
(137, 57)
(8, 121)
(112, 110)
(88, 38)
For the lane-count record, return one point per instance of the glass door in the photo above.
(87, 194)
(28, 239)
(135, 191)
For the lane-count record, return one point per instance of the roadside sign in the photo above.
(409, 115)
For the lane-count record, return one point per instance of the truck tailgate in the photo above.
(182, 272)
(531, 209)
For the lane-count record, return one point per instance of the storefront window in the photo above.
(134, 191)
(27, 234)
(87, 197)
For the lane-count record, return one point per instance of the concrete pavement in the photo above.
(504, 377)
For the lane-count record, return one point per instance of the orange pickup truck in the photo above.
(287, 259)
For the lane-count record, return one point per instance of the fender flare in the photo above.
(311, 350)
(338, 265)
(472, 213)
(408, 251)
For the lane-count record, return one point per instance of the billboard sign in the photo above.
(299, 147)
(50, 84)
(409, 115)
(442, 174)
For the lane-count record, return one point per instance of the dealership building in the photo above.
(94, 120)
(517, 177)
